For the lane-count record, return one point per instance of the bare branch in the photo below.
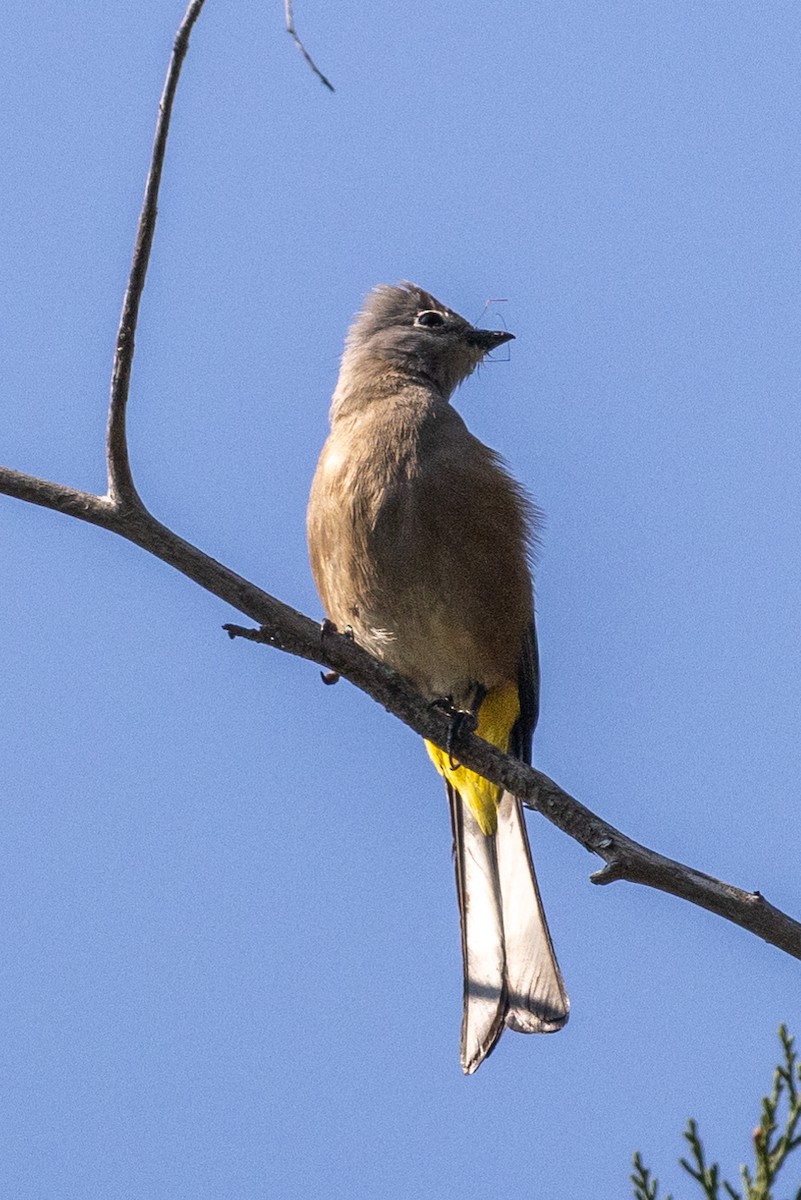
(288, 630)
(120, 481)
(290, 28)
(624, 858)
(122, 512)
(97, 510)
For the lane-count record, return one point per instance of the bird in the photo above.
(421, 543)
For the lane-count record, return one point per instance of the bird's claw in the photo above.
(462, 721)
(326, 628)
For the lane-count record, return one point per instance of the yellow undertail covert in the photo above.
(496, 718)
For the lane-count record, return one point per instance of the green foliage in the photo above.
(645, 1188)
(772, 1146)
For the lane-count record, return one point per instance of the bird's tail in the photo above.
(536, 996)
(511, 976)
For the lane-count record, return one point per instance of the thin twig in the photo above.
(293, 33)
(120, 480)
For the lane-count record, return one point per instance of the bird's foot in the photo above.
(462, 721)
(326, 628)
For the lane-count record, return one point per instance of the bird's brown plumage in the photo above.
(419, 542)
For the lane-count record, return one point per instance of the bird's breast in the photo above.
(418, 545)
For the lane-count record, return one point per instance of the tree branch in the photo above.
(289, 21)
(624, 858)
(122, 512)
(120, 480)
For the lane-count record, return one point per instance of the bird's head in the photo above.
(407, 329)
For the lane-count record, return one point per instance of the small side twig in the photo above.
(293, 33)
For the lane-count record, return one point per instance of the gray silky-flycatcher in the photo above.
(420, 543)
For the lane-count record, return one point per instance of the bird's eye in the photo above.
(430, 319)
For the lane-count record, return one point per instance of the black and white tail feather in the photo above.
(511, 976)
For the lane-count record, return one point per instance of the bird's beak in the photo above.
(488, 339)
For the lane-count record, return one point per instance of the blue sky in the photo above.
(229, 953)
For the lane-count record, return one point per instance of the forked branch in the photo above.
(122, 512)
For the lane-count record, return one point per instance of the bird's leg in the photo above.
(463, 720)
(328, 627)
